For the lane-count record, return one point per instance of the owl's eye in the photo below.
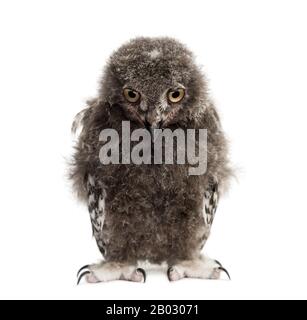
(131, 95)
(175, 96)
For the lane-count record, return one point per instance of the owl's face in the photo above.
(155, 82)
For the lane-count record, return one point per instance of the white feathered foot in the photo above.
(110, 271)
(202, 268)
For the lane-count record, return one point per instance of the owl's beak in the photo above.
(151, 128)
(152, 122)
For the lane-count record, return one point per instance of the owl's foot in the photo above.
(203, 268)
(110, 271)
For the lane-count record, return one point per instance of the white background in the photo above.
(51, 57)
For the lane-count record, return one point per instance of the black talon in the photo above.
(82, 275)
(223, 269)
(142, 271)
(170, 269)
(83, 268)
(219, 263)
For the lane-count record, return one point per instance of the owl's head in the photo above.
(155, 81)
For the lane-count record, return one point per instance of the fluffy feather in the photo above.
(151, 212)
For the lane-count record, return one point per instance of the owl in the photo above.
(150, 214)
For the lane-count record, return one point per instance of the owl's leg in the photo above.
(201, 268)
(110, 271)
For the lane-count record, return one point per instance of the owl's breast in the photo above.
(152, 211)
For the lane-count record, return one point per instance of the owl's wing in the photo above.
(83, 118)
(96, 207)
(211, 198)
(210, 202)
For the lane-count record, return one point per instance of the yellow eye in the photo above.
(131, 95)
(175, 96)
